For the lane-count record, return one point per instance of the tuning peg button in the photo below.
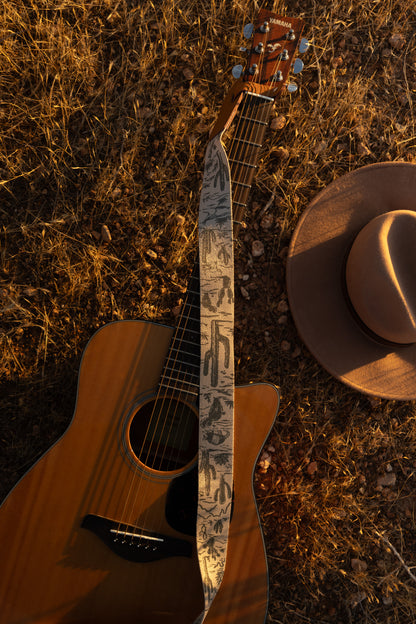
(248, 30)
(303, 46)
(237, 71)
(297, 66)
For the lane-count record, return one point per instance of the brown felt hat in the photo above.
(351, 279)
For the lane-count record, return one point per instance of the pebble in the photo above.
(282, 306)
(244, 292)
(285, 345)
(266, 222)
(312, 468)
(152, 254)
(30, 291)
(257, 249)
(278, 123)
(188, 73)
(358, 565)
(386, 480)
(397, 41)
(282, 153)
(296, 352)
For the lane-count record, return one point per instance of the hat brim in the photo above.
(314, 273)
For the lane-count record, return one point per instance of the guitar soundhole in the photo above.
(163, 434)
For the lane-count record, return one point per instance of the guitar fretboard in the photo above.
(181, 371)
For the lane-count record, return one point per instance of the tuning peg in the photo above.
(237, 71)
(292, 87)
(297, 66)
(248, 30)
(303, 46)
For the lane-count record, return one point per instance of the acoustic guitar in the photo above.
(101, 530)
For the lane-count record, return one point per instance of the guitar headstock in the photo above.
(274, 43)
(269, 62)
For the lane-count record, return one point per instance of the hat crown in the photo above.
(380, 276)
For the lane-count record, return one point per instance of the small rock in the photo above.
(389, 468)
(337, 62)
(105, 234)
(388, 600)
(312, 468)
(278, 123)
(403, 99)
(188, 73)
(257, 249)
(244, 292)
(282, 306)
(387, 480)
(397, 41)
(266, 222)
(321, 147)
(152, 254)
(29, 291)
(282, 320)
(265, 461)
(285, 345)
(282, 153)
(358, 565)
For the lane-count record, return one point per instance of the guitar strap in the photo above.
(216, 401)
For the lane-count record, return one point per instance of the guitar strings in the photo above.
(176, 388)
(179, 427)
(180, 326)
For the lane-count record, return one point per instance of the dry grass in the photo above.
(104, 114)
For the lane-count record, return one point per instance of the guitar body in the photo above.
(55, 564)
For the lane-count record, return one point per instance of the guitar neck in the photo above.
(181, 370)
(252, 121)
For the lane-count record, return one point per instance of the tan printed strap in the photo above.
(216, 402)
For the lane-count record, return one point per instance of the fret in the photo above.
(184, 390)
(240, 162)
(247, 142)
(193, 292)
(182, 377)
(184, 341)
(242, 184)
(184, 362)
(190, 305)
(263, 123)
(183, 352)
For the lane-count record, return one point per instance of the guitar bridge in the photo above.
(133, 543)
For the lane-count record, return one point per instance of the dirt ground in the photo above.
(105, 110)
